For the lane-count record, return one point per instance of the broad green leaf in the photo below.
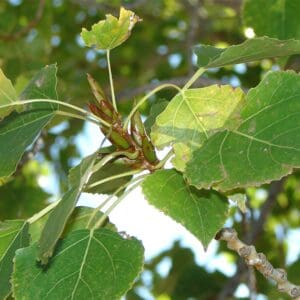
(7, 95)
(13, 235)
(155, 110)
(203, 213)
(58, 218)
(79, 219)
(264, 147)
(112, 32)
(277, 18)
(96, 264)
(110, 169)
(19, 130)
(42, 86)
(250, 50)
(192, 116)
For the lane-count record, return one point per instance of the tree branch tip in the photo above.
(259, 261)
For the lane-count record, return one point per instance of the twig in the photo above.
(23, 31)
(259, 261)
(257, 229)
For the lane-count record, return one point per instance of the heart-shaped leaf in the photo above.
(264, 147)
(203, 213)
(97, 264)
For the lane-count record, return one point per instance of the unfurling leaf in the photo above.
(112, 32)
(203, 213)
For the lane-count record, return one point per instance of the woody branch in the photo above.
(260, 262)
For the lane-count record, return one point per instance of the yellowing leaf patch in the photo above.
(112, 32)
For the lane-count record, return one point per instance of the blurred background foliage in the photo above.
(34, 33)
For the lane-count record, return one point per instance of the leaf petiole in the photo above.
(132, 172)
(43, 212)
(144, 99)
(24, 102)
(75, 116)
(111, 156)
(111, 81)
(109, 198)
(164, 160)
(198, 73)
(101, 205)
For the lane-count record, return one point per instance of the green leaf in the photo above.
(58, 218)
(278, 19)
(96, 264)
(192, 116)
(264, 147)
(203, 213)
(79, 219)
(250, 50)
(19, 130)
(206, 54)
(42, 86)
(155, 110)
(7, 95)
(110, 169)
(13, 235)
(110, 33)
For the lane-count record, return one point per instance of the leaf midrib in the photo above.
(27, 124)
